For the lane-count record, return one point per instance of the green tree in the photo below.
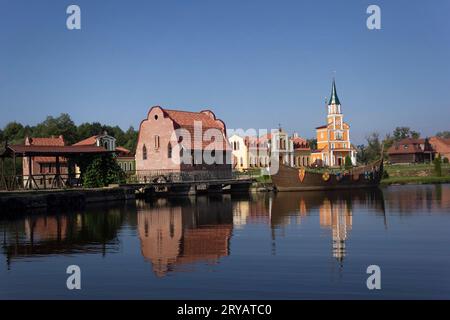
(373, 148)
(311, 142)
(437, 166)
(102, 171)
(131, 136)
(13, 132)
(86, 130)
(404, 132)
(62, 125)
(361, 155)
(348, 162)
(443, 134)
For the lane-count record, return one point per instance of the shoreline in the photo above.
(414, 180)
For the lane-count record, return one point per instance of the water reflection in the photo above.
(91, 231)
(408, 200)
(177, 232)
(335, 211)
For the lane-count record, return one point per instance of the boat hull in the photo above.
(298, 179)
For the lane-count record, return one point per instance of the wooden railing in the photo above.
(39, 181)
(163, 176)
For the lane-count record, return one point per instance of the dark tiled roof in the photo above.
(48, 151)
(409, 146)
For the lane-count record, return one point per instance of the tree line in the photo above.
(374, 144)
(15, 132)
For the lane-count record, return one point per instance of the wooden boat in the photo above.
(303, 179)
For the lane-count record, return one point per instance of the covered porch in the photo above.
(30, 180)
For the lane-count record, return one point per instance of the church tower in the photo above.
(335, 116)
(333, 139)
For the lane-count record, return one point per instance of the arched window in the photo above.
(169, 151)
(144, 152)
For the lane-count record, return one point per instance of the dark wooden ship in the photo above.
(304, 179)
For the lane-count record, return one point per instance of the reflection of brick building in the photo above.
(46, 228)
(160, 231)
(175, 235)
(253, 210)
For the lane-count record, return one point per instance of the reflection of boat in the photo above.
(302, 179)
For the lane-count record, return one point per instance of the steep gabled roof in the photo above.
(187, 120)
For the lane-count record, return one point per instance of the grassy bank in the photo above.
(415, 170)
(415, 180)
(415, 174)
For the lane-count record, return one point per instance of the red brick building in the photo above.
(441, 146)
(44, 165)
(178, 141)
(411, 151)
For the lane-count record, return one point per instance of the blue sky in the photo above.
(255, 63)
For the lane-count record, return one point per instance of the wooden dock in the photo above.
(173, 188)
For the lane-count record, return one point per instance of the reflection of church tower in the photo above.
(338, 217)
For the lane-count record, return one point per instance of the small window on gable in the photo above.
(144, 153)
(156, 142)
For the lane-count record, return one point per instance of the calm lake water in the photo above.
(313, 245)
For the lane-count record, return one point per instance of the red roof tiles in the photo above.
(407, 146)
(188, 119)
(91, 141)
(47, 142)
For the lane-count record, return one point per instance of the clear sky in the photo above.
(255, 63)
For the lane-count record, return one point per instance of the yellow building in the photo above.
(333, 139)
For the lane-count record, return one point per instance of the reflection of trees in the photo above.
(92, 231)
(176, 232)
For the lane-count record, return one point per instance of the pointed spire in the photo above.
(334, 98)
